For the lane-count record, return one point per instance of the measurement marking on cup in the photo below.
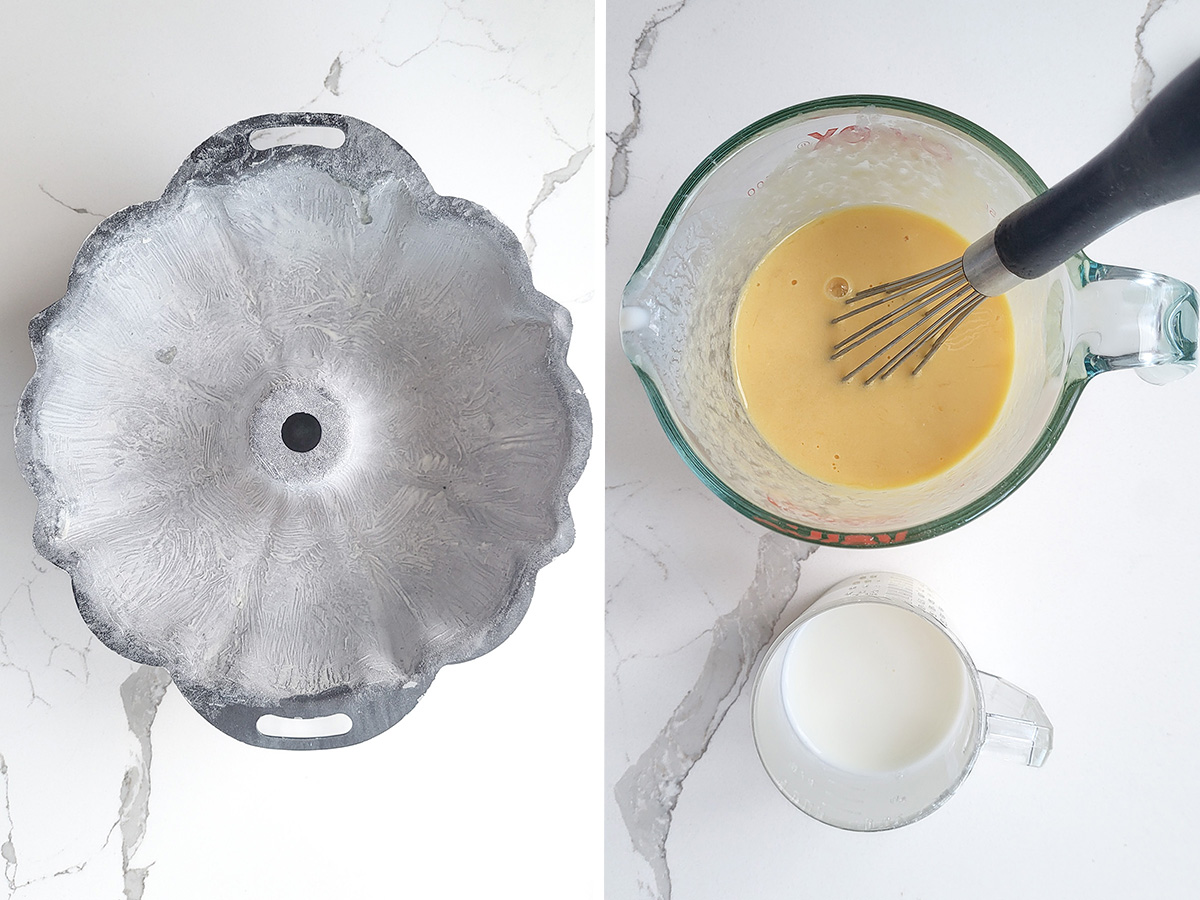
(856, 134)
(831, 537)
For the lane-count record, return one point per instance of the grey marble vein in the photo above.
(39, 650)
(1143, 75)
(7, 850)
(141, 694)
(404, 62)
(7, 663)
(649, 789)
(334, 76)
(9, 660)
(618, 176)
(485, 26)
(551, 182)
(75, 209)
(332, 81)
(441, 40)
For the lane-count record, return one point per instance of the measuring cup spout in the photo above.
(1134, 319)
(1017, 726)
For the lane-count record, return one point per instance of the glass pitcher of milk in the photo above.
(868, 712)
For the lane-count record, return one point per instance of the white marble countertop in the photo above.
(1081, 587)
(112, 785)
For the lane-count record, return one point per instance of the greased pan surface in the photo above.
(302, 431)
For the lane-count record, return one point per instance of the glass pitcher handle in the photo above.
(1134, 319)
(1016, 726)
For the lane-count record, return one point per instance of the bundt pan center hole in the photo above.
(301, 432)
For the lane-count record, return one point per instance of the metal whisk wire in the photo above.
(943, 299)
(1154, 161)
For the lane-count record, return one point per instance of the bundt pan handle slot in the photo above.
(318, 722)
(363, 156)
(329, 136)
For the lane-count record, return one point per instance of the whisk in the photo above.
(1155, 161)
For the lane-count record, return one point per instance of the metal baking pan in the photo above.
(302, 431)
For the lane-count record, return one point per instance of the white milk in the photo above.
(872, 687)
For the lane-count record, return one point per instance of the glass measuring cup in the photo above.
(896, 714)
(787, 169)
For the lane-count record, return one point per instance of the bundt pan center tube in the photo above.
(302, 431)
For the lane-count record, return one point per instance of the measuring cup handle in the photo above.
(1015, 724)
(1134, 319)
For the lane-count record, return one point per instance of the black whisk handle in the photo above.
(1155, 161)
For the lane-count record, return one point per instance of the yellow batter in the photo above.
(889, 433)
